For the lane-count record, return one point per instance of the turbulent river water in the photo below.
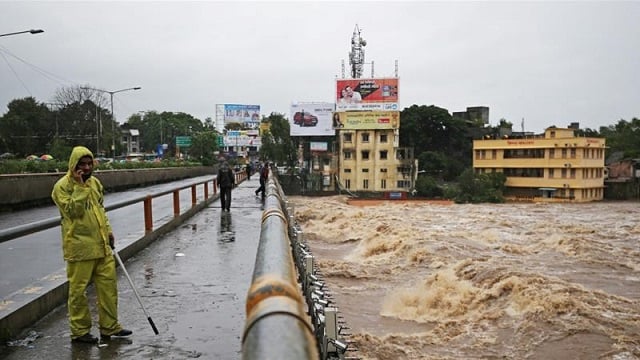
(492, 281)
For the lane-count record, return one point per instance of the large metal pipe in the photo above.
(277, 325)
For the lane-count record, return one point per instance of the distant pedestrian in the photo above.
(249, 170)
(226, 181)
(264, 175)
(87, 247)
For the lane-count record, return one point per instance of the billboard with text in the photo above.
(311, 119)
(367, 94)
(247, 115)
(367, 120)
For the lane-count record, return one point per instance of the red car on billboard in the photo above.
(305, 119)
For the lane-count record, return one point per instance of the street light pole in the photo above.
(113, 123)
(32, 31)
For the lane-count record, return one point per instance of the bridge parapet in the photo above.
(290, 311)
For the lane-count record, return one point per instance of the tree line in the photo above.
(80, 116)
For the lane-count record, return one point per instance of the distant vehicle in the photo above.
(305, 119)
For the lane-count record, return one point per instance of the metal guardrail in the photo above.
(22, 312)
(31, 228)
(282, 321)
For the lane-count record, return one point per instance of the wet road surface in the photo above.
(28, 259)
(193, 282)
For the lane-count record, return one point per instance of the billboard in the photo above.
(318, 146)
(311, 119)
(247, 115)
(242, 138)
(367, 94)
(367, 120)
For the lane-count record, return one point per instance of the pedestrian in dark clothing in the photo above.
(264, 175)
(226, 181)
(249, 171)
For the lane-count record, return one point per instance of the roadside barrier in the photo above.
(290, 312)
(23, 308)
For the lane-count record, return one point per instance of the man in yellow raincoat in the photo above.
(87, 242)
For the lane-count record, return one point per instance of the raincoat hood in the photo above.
(78, 153)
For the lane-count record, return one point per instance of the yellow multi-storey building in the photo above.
(554, 166)
(370, 157)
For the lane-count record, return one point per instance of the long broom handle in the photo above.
(153, 326)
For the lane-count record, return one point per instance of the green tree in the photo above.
(623, 137)
(27, 128)
(277, 144)
(442, 143)
(479, 188)
(428, 186)
(203, 146)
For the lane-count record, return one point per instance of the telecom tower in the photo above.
(356, 56)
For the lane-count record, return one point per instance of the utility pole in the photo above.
(56, 104)
(113, 123)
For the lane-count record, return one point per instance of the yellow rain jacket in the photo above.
(85, 226)
(85, 245)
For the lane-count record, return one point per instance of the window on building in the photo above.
(553, 134)
(572, 173)
(365, 183)
(347, 183)
(552, 153)
(347, 137)
(524, 172)
(494, 154)
(564, 153)
(404, 184)
(563, 173)
(383, 154)
(551, 173)
(365, 154)
(347, 155)
(573, 153)
(383, 138)
(365, 137)
(524, 154)
(383, 184)
(347, 171)
(365, 170)
(383, 170)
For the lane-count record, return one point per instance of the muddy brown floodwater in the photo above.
(507, 281)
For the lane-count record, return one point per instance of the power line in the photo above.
(16, 74)
(53, 77)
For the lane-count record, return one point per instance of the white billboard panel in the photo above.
(247, 115)
(311, 119)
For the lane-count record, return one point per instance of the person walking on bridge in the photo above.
(226, 180)
(87, 246)
(264, 175)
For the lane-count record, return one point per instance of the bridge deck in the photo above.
(193, 282)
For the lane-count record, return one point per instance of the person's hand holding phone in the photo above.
(77, 175)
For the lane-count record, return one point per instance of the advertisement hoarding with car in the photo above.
(367, 94)
(247, 115)
(311, 119)
(368, 120)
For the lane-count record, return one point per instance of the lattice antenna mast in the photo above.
(356, 56)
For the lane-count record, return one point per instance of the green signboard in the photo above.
(183, 141)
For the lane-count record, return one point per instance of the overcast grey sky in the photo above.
(551, 63)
